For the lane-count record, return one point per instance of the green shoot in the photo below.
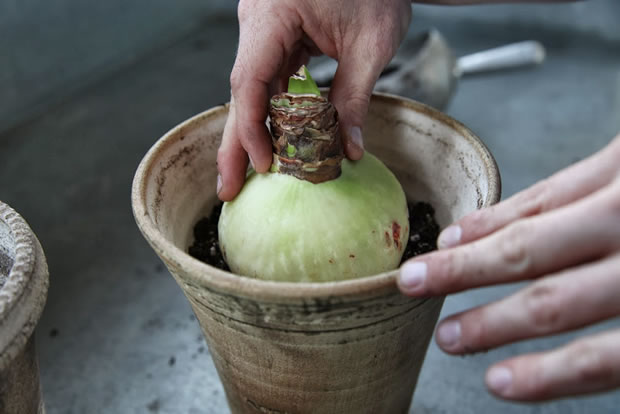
(301, 83)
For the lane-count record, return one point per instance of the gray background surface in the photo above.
(50, 50)
(86, 89)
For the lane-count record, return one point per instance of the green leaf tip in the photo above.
(301, 83)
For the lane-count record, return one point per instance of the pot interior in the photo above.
(7, 252)
(435, 158)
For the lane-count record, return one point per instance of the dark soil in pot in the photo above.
(6, 263)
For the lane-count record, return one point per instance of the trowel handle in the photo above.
(513, 55)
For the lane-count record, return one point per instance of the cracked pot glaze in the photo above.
(352, 346)
(23, 292)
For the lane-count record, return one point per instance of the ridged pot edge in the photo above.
(24, 293)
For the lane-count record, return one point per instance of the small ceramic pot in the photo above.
(23, 292)
(353, 346)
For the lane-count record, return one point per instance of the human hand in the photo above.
(563, 233)
(278, 36)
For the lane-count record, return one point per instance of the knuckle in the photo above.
(535, 200)
(236, 78)
(480, 221)
(588, 363)
(514, 248)
(388, 38)
(450, 275)
(543, 306)
(531, 381)
(357, 103)
(611, 220)
(615, 197)
(385, 43)
(359, 98)
(477, 218)
(477, 335)
(222, 154)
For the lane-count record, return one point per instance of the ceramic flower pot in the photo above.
(352, 346)
(23, 292)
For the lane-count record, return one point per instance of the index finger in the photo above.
(525, 249)
(564, 187)
(265, 42)
(263, 47)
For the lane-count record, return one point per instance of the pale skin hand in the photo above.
(276, 37)
(563, 234)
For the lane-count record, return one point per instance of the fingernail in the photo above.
(450, 237)
(449, 334)
(499, 379)
(355, 133)
(413, 275)
(251, 162)
(219, 184)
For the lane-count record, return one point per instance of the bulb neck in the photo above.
(305, 137)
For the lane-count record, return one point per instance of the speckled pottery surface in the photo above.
(23, 291)
(353, 346)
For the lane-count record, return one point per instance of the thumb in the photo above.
(350, 93)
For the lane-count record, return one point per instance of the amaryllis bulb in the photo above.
(286, 229)
(315, 217)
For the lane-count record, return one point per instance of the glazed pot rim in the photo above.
(211, 277)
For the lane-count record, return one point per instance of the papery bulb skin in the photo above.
(315, 217)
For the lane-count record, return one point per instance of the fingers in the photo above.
(266, 39)
(362, 38)
(350, 93)
(359, 66)
(232, 160)
(526, 249)
(588, 365)
(362, 56)
(562, 188)
(569, 300)
(257, 64)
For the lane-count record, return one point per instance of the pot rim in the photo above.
(212, 277)
(23, 294)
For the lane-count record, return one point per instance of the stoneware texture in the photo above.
(342, 347)
(23, 291)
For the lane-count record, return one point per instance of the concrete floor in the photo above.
(118, 336)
